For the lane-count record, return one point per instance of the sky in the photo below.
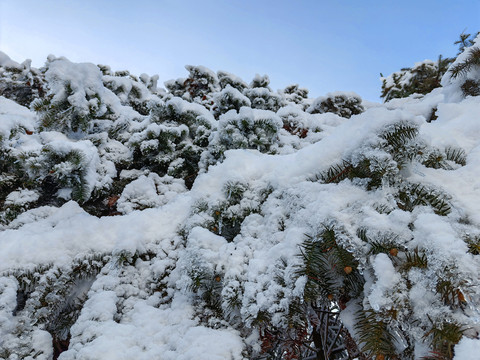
(324, 46)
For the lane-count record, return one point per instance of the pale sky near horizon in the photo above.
(321, 45)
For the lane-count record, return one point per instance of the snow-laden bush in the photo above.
(422, 78)
(344, 104)
(20, 82)
(149, 192)
(230, 99)
(249, 129)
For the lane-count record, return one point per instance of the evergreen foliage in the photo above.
(295, 94)
(443, 337)
(21, 83)
(472, 60)
(395, 149)
(329, 268)
(248, 129)
(470, 87)
(420, 79)
(342, 104)
(377, 340)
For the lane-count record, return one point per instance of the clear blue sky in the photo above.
(321, 45)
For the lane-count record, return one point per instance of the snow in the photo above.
(454, 127)
(6, 62)
(14, 116)
(141, 303)
(21, 197)
(150, 332)
(149, 192)
(70, 231)
(467, 349)
(387, 279)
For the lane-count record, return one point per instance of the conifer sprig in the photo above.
(472, 60)
(443, 337)
(412, 195)
(376, 339)
(415, 258)
(457, 155)
(335, 173)
(399, 134)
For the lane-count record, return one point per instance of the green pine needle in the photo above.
(443, 337)
(374, 335)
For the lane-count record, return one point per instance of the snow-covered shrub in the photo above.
(172, 139)
(20, 82)
(136, 93)
(294, 121)
(265, 99)
(260, 81)
(149, 191)
(229, 99)
(48, 302)
(225, 216)
(296, 95)
(422, 78)
(201, 81)
(176, 87)
(76, 95)
(17, 202)
(197, 87)
(225, 79)
(427, 75)
(344, 104)
(249, 129)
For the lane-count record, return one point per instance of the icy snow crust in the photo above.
(161, 216)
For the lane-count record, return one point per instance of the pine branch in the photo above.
(385, 246)
(374, 335)
(426, 197)
(399, 134)
(457, 155)
(330, 269)
(473, 243)
(335, 173)
(362, 234)
(415, 258)
(461, 69)
(208, 287)
(450, 293)
(436, 160)
(317, 267)
(463, 42)
(471, 88)
(444, 336)
(413, 195)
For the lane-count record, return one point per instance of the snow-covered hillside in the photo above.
(222, 220)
